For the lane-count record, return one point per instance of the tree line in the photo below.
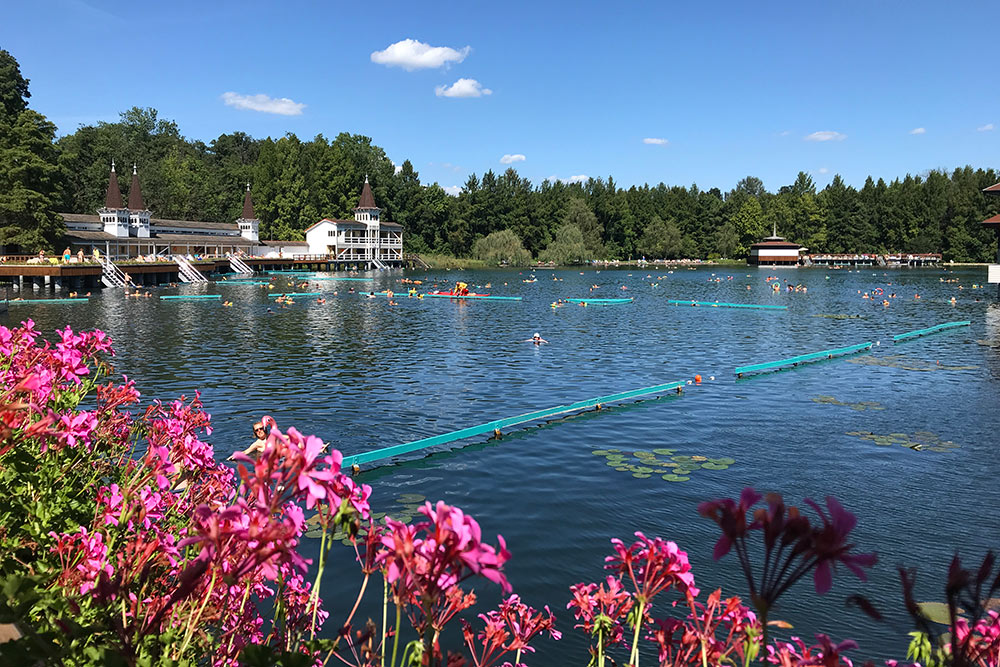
(496, 216)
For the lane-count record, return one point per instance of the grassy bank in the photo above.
(450, 262)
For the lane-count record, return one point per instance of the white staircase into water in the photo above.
(378, 264)
(111, 275)
(188, 273)
(239, 266)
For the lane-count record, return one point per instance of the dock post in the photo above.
(57, 283)
(36, 283)
(47, 281)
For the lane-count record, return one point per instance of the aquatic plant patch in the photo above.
(918, 441)
(662, 462)
(860, 406)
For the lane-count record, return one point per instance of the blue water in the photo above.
(364, 374)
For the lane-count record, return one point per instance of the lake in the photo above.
(363, 374)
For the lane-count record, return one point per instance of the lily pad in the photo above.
(682, 459)
(714, 466)
(642, 469)
(641, 475)
(664, 452)
(699, 458)
(936, 612)
(600, 452)
(676, 478)
(726, 461)
(622, 469)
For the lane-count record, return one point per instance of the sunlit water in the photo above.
(364, 374)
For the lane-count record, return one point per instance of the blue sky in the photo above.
(646, 92)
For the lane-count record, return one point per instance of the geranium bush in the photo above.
(123, 541)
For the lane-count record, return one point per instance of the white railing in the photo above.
(187, 272)
(377, 263)
(111, 275)
(239, 266)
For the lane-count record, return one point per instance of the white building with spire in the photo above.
(365, 239)
(123, 232)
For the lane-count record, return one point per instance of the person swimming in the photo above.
(536, 339)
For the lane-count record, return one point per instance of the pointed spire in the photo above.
(134, 193)
(367, 200)
(113, 198)
(248, 206)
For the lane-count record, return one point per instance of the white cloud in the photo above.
(822, 170)
(463, 88)
(784, 133)
(825, 135)
(579, 178)
(511, 159)
(396, 168)
(263, 103)
(411, 54)
(453, 190)
(918, 130)
(986, 128)
(655, 141)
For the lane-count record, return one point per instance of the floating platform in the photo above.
(16, 302)
(473, 296)
(193, 296)
(600, 302)
(495, 426)
(803, 358)
(930, 330)
(718, 304)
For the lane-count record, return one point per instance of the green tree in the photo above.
(567, 247)
(30, 179)
(503, 247)
(661, 240)
(748, 225)
(578, 214)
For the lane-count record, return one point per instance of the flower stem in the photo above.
(517, 658)
(395, 637)
(314, 594)
(194, 619)
(385, 608)
(634, 658)
(600, 648)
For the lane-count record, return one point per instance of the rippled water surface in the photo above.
(364, 374)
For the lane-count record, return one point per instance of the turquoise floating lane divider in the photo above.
(470, 296)
(193, 296)
(15, 303)
(338, 278)
(930, 330)
(678, 302)
(600, 302)
(294, 294)
(495, 426)
(803, 358)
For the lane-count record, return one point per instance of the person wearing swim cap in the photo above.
(536, 339)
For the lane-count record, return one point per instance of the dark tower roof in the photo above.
(134, 193)
(993, 189)
(248, 206)
(367, 200)
(113, 199)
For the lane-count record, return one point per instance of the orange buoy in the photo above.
(697, 379)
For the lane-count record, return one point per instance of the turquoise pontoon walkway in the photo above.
(930, 330)
(494, 426)
(18, 302)
(717, 304)
(193, 296)
(803, 358)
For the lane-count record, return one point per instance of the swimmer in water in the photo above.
(536, 339)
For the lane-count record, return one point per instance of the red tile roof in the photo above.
(776, 244)
(113, 198)
(992, 222)
(135, 194)
(993, 189)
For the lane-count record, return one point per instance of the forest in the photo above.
(496, 216)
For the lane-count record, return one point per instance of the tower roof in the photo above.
(248, 206)
(367, 200)
(993, 189)
(113, 198)
(134, 193)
